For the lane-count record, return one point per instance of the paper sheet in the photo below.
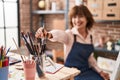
(53, 69)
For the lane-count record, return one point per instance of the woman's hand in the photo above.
(105, 75)
(41, 33)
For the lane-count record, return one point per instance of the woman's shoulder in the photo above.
(91, 33)
(68, 31)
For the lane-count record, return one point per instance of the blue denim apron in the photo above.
(78, 58)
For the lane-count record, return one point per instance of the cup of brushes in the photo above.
(36, 47)
(4, 64)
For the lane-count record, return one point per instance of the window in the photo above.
(8, 23)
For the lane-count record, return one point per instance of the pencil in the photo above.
(0, 63)
(8, 50)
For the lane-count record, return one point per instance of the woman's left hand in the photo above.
(105, 75)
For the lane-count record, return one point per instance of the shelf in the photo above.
(103, 52)
(106, 51)
(48, 12)
(107, 21)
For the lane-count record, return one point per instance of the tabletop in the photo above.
(65, 73)
(16, 73)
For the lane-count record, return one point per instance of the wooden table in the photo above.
(64, 73)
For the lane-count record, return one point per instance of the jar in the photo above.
(47, 3)
(59, 5)
(78, 2)
(41, 4)
(53, 6)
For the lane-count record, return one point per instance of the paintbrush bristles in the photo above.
(18, 49)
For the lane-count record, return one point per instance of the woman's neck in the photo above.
(83, 32)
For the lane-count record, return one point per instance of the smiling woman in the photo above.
(78, 46)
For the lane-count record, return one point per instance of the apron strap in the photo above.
(74, 38)
(91, 39)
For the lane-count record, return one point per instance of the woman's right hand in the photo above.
(41, 33)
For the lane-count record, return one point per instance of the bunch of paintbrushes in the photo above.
(36, 47)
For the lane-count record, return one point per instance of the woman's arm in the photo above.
(53, 35)
(59, 35)
(93, 63)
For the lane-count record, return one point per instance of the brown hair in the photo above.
(82, 11)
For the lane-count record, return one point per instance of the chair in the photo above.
(58, 55)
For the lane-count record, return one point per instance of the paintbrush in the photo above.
(31, 42)
(27, 44)
(18, 49)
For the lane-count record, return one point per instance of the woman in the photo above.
(78, 44)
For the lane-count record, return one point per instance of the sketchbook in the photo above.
(53, 69)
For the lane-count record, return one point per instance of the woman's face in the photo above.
(79, 21)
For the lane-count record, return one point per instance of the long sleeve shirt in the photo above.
(67, 38)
